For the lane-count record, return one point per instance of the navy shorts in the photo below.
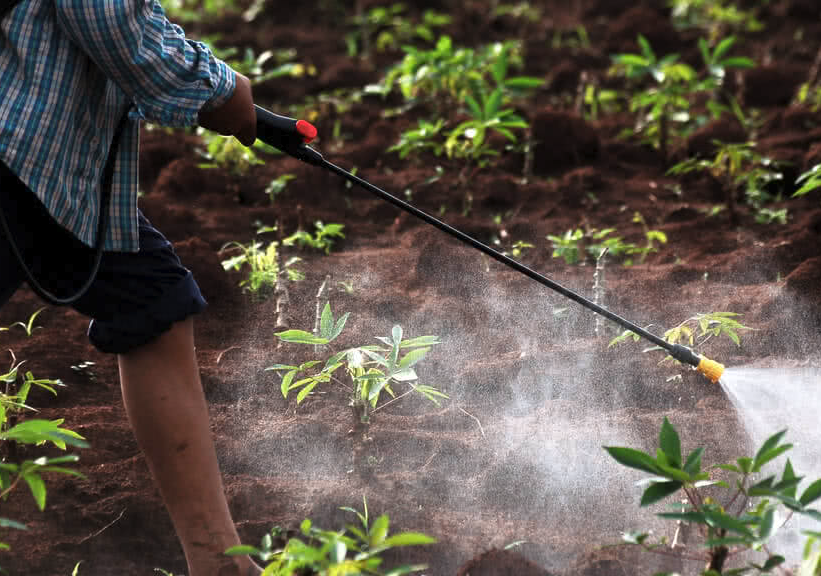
(136, 296)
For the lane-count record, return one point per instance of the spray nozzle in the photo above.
(711, 369)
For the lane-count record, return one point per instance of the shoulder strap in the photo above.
(6, 6)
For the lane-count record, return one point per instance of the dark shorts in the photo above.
(135, 297)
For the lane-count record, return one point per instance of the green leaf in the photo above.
(340, 325)
(738, 62)
(812, 493)
(762, 459)
(634, 459)
(693, 464)
(765, 528)
(300, 337)
(524, 82)
(412, 358)
(38, 488)
(286, 383)
(719, 519)
(407, 539)
(326, 322)
(773, 562)
(659, 491)
(723, 47)
(305, 391)
(694, 517)
(242, 550)
(670, 443)
(770, 443)
(378, 531)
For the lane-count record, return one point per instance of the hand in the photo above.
(236, 117)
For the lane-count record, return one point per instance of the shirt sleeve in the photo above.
(169, 78)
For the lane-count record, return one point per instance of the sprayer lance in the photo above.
(292, 136)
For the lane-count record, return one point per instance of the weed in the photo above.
(371, 369)
(354, 550)
(322, 238)
(28, 326)
(744, 520)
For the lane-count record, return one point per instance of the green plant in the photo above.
(469, 139)
(714, 16)
(745, 519)
(228, 153)
(768, 216)
(575, 245)
(810, 95)
(277, 185)
(371, 369)
(695, 331)
(352, 551)
(386, 28)
(263, 265)
(28, 326)
(192, 10)
(740, 168)
(13, 402)
(425, 137)
(522, 10)
(717, 60)
(321, 239)
(809, 181)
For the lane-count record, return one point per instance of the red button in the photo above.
(307, 130)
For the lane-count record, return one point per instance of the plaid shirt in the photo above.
(69, 71)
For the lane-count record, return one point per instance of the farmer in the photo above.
(70, 72)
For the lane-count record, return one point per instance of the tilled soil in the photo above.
(514, 455)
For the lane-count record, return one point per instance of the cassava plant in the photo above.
(322, 238)
(742, 518)
(575, 246)
(353, 551)
(263, 265)
(15, 387)
(809, 181)
(372, 371)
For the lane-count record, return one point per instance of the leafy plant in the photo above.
(28, 326)
(695, 331)
(717, 60)
(352, 551)
(386, 28)
(575, 245)
(13, 402)
(228, 153)
(277, 185)
(371, 370)
(715, 16)
(810, 95)
(740, 168)
(425, 137)
(569, 246)
(469, 138)
(321, 239)
(744, 520)
(263, 265)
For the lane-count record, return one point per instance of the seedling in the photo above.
(715, 16)
(13, 402)
(695, 331)
(322, 238)
(28, 327)
(277, 185)
(576, 244)
(744, 519)
(228, 153)
(717, 60)
(371, 370)
(263, 265)
(426, 137)
(739, 167)
(386, 28)
(354, 550)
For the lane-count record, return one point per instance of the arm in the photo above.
(172, 80)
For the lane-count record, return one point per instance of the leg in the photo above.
(166, 407)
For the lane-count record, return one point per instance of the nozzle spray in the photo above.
(710, 368)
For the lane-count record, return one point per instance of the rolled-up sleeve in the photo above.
(169, 78)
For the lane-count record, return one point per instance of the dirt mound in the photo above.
(773, 85)
(501, 563)
(563, 140)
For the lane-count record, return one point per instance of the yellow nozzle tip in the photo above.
(711, 369)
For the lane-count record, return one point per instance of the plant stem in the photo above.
(389, 402)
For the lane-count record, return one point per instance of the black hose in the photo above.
(102, 230)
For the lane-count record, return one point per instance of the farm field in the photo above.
(602, 154)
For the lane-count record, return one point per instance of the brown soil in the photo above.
(515, 453)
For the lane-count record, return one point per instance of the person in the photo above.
(70, 72)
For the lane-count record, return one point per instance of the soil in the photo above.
(514, 455)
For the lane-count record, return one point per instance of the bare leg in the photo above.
(166, 406)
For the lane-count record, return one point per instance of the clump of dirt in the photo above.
(563, 140)
(501, 563)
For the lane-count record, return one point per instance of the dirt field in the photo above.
(515, 453)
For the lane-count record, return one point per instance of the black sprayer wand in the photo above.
(293, 136)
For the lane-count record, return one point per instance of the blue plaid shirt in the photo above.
(69, 70)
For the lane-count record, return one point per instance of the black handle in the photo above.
(288, 135)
